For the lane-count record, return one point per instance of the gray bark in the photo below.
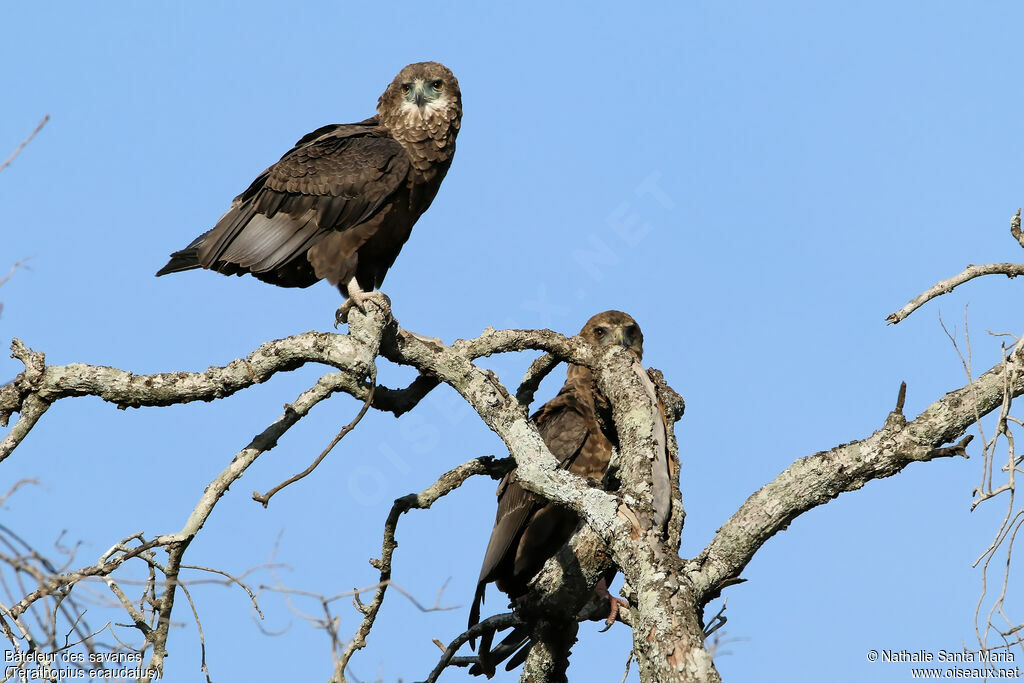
(667, 593)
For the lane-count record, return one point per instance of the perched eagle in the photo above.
(577, 427)
(341, 203)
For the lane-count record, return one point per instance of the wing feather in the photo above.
(333, 179)
(515, 506)
(564, 430)
(563, 425)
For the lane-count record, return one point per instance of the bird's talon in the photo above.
(341, 315)
(613, 613)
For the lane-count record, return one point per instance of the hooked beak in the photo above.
(619, 337)
(419, 99)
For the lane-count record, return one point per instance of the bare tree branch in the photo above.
(6, 278)
(24, 142)
(353, 354)
(1015, 228)
(1010, 270)
(496, 623)
(10, 273)
(447, 483)
(31, 393)
(365, 334)
(535, 374)
(264, 498)
(401, 401)
(817, 479)
(618, 529)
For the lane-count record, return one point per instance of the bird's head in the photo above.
(614, 327)
(423, 90)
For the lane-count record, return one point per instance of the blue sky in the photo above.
(758, 185)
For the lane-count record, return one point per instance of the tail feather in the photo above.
(519, 657)
(474, 610)
(516, 645)
(185, 259)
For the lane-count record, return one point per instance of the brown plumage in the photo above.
(341, 203)
(577, 427)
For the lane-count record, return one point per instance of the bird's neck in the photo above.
(428, 137)
(580, 380)
(579, 374)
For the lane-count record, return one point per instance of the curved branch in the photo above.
(32, 408)
(817, 479)
(39, 385)
(107, 563)
(365, 331)
(347, 353)
(535, 374)
(448, 482)
(264, 498)
(493, 341)
(128, 390)
(539, 471)
(177, 543)
(1010, 270)
(499, 622)
(401, 401)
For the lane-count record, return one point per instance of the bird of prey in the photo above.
(577, 427)
(341, 203)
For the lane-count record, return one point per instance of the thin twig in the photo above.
(629, 659)
(10, 273)
(24, 142)
(202, 638)
(446, 483)
(102, 568)
(1012, 519)
(231, 579)
(264, 498)
(14, 487)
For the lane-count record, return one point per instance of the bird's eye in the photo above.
(405, 88)
(599, 332)
(438, 85)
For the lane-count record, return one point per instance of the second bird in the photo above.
(577, 428)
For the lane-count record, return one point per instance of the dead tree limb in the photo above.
(447, 483)
(667, 593)
(1010, 270)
